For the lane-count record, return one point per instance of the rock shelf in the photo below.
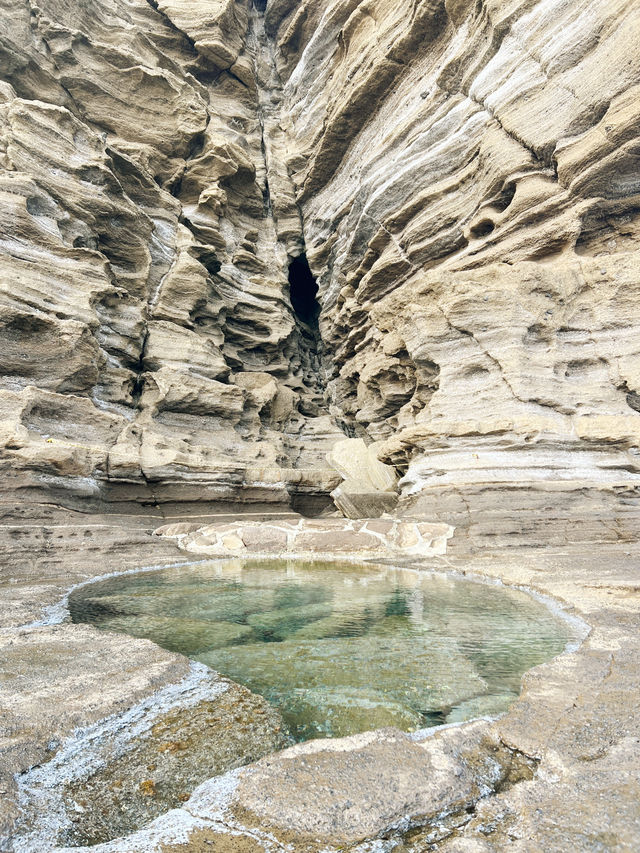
(379, 537)
(575, 729)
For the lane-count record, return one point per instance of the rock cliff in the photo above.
(461, 180)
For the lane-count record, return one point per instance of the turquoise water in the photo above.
(339, 648)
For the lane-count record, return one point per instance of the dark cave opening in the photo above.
(303, 291)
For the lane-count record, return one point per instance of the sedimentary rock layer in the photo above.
(468, 175)
(148, 337)
(463, 177)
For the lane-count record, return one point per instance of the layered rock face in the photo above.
(465, 181)
(469, 178)
(148, 338)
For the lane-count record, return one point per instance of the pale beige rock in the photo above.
(232, 542)
(269, 540)
(464, 179)
(326, 536)
(355, 461)
(145, 265)
(218, 28)
(369, 486)
(355, 500)
(472, 288)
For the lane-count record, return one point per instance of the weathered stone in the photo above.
(129, 781)
(382, 527)
(232, 542)
(336, 541)
(267, 539)
(179, 528)
(340, 805)
(358, 464)
(406, 535)
(355, 503)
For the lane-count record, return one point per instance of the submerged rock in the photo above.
(341, 648)
(326, 712)
(278, 624)
(481, 706)
(404, 679)
(178, 634)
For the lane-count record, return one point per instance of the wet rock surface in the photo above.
(330, 697)
(162, 767)
(97, 777)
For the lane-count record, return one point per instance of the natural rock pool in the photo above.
(339, 648)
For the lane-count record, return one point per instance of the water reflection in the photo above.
(339, 648)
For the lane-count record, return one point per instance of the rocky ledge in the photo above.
(380, 537)
(558, 772)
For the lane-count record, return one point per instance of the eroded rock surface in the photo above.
(462, 179)
(384, 537)
(150, 347)
(117, 732)
(468, 178)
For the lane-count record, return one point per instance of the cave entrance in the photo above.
(303, 291)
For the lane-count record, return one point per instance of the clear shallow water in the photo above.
(339, 648)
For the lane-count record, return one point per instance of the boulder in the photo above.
(369, 487)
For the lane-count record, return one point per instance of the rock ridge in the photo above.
(150, 350)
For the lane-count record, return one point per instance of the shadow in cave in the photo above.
(303, 291)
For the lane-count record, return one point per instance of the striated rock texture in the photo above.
(464, 178)
(148, 338)
(469, 177)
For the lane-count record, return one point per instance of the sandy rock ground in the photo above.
(558, 772)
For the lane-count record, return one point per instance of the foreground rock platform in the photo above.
(558, 772)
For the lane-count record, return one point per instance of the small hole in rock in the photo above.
(303, 290)
(37, 206)
(633, 401)
(482, 229)
(506, 197)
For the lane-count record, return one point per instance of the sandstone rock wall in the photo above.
(465, 180)
(148, 347)
(469, 177)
